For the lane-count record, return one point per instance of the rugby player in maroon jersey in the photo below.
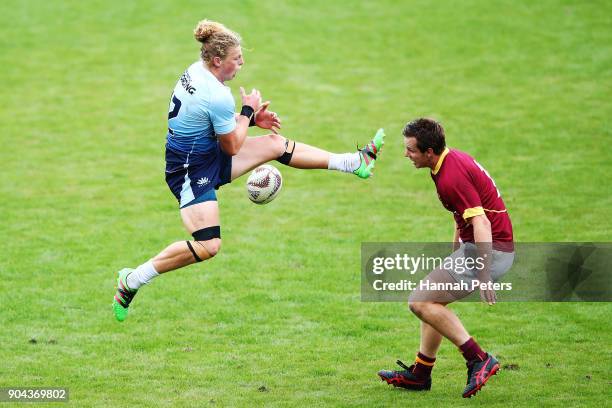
(482, 229)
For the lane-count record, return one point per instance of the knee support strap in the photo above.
(286, 157)
(203, 235)
(193, 252)
(207, 233)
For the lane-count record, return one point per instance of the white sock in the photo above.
(346, 162)
(141, 275)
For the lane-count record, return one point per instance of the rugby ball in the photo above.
(264, 184)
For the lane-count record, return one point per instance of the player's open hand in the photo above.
(253, 99)
(487, 295)
(266, 119)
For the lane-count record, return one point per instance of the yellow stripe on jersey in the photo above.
(440, 160)
(472, 212)
(496, 211)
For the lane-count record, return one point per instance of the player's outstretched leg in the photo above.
(259, 150)
(123, 296)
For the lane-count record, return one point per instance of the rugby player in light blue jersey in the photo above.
(207, 147)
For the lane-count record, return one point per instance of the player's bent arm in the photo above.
(233, 141)
(483, 240)
(482, 228)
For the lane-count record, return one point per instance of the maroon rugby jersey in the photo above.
(466, 189)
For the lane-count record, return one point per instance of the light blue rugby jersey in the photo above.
(200, 109)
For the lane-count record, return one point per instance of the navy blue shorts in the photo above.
(193, 178)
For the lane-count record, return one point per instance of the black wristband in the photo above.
(248, 111)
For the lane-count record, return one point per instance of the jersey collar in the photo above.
(440, 160)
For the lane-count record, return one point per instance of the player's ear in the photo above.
(216, 61)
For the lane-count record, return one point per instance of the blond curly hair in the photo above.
(216, 39)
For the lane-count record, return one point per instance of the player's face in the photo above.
(231, 64)
(418, 158)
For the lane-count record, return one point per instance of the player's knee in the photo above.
(417, 307)
(283, 148)
(277, 143)
(207, 243)
(212, 246)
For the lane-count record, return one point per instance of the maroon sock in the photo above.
(423, 366)
(472, 351)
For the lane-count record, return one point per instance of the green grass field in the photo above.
(276, 318)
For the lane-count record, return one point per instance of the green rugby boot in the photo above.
(369, 154)
(123, 296)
